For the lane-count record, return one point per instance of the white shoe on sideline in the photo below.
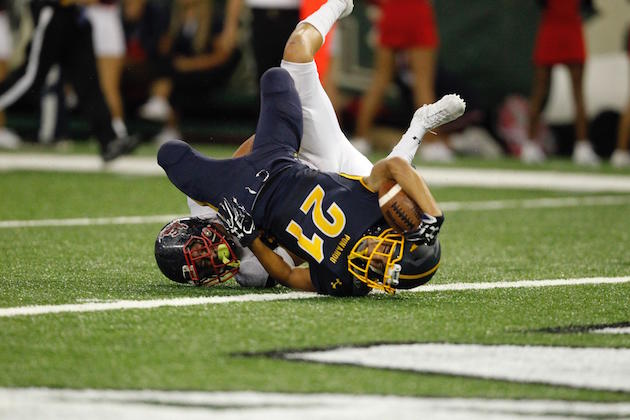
(445, 110)
(583, 154)
(9, 139)
(362, 145)
(620, 158)
(532, 153)
(436, 151)
(167, 133)
(475, 141)
(155, 109)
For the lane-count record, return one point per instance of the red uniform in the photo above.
(407, 24)
(560, 36)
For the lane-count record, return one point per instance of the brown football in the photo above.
(399, 210)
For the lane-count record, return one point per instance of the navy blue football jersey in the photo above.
(320, 216)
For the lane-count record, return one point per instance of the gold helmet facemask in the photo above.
(374, 260)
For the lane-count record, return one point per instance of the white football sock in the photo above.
(409, 143)
(326, 16)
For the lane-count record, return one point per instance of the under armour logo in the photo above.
(336, 283)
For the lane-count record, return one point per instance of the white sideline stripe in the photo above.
(36, 403)
(516, 284)
(608, 200)
(537, 180)
(601, 200)
(87, 221)
(148, 304)
(489, 178)
(612, 330)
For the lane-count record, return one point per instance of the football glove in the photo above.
(238, 221)
(427, 231)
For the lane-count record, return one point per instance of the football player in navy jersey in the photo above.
(331, 220)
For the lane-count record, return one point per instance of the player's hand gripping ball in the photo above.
(399, 210)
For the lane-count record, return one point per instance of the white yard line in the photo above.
(517, 284)
(149, 304)
(35, 403)
(489, 178)
(212, 300)
(600, 200)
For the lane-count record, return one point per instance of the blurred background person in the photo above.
(144, 24)
(409, 27)
(272, 23)
(621, 156)
(8, 139)
(559, 40)
(192, 63)
(62, 35)
(109, 47)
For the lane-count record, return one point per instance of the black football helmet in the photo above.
(387, 261)
(197, 251)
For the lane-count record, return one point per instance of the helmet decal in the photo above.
(173, 229)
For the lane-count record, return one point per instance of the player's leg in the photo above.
(323, 143)
(583, 153)
(382, 75)
(621, 155)
(109, 47)
(280, 119)
(79, 63)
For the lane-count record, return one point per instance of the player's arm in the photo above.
(410, 181)
(294, 278)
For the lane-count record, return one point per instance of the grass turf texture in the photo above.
(198, 347)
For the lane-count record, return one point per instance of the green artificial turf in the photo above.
(202, 347)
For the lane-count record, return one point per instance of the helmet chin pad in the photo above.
(374, 260)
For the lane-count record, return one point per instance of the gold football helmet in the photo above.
(386, 260)
(374, 259)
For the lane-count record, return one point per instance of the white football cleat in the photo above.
(583, 154)
(348, 4)
(447, 109)
(620, 158)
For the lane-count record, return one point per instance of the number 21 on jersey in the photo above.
(330, 226)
